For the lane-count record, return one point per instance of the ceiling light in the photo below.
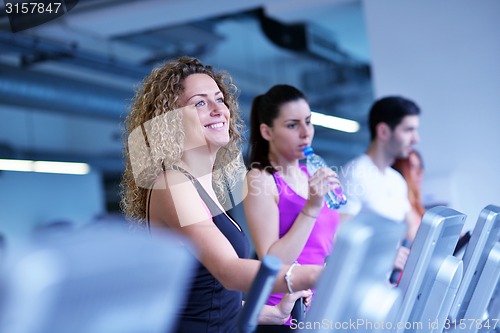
(71, 168)
(336, 123)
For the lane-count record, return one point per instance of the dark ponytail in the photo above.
(258, 147)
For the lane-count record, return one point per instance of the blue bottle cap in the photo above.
(308, 150)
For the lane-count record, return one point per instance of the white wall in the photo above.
(446, 56)
(31, 199)
(44, 131)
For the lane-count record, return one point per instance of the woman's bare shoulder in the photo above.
(260, 183)
(175, 200)
(257, 174)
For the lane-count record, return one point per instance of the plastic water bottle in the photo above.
(314, 162)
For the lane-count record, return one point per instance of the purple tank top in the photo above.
(319, 244)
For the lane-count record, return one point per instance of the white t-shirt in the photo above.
(369, 189)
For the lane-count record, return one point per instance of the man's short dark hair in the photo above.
(390, 110)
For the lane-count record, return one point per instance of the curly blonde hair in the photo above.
(154, 136)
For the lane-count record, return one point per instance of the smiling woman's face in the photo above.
(202, 92)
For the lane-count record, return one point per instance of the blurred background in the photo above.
(65, 87)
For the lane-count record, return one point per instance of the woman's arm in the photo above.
(179, 207)
(262, 214)
(279, 313)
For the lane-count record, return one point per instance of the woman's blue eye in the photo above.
(200, 103)
(291, 125)
(220, 100)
